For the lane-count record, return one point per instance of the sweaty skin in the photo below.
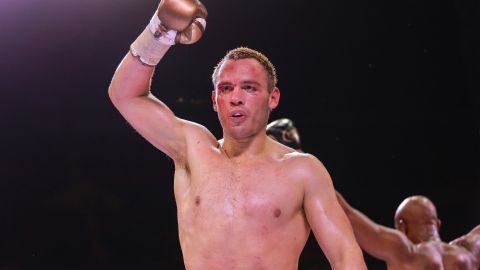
(245, 201)
(415, 243)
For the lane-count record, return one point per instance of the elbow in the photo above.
(351, 263)
(123, 92)
(112, 94)
(115, 95)
(354, 260)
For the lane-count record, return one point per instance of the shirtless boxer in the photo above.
(244, 201)
(415, 244)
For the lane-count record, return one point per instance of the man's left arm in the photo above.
(329, 223)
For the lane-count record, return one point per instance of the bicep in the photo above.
(386, 244)
(379, 241)
(327, 219)
(129, 92)
(152, 119)
(328, 222)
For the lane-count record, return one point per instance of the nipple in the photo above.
(277, 212)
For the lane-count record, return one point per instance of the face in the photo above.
(241, 98)
(417, 219)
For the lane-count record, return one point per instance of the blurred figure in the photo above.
(284, 131)
(415, 243)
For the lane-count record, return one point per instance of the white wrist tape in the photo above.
(167, 37)
(150, 46)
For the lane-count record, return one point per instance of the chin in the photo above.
(238, 132)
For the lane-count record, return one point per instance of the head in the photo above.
(417, 218)
(244, 53)
(245, 92)
(284, 131)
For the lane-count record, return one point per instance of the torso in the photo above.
(438, 256)
(239, 216)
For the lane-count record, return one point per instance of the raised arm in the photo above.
(384, 243)
(327, 220)
(176, 21)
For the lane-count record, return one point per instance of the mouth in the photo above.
(237, 116)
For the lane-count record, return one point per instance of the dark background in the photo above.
(385, 93)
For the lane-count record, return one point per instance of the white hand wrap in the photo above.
(167, 37)
(149, 47)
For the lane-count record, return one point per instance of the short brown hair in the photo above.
(244, 53)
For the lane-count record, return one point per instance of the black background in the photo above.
(385, 93)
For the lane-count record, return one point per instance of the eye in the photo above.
(431, 222)
(225, 88)
(249, 88)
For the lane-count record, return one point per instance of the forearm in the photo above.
(379, 241)
(350, 258)
(184, 22)
(364, 228)
(131, 79)
(335, 236)
(349, 253)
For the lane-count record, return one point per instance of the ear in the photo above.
(439, 224)
(214, 100)
(401, 226)
(274, 98)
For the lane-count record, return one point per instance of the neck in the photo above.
(434, 237)
(430, 237)
(243, 149)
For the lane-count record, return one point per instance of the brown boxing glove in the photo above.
(187, 17)
(176, 21)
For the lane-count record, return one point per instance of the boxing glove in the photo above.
(284, 131)
(176, 21)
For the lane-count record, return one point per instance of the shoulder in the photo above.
(304, 162)
(301, 166)
(197, 132)
(470, 241)
(197, 137)
(309, 164)
(472, 236)
(308, 169)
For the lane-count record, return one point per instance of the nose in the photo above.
(236, 97)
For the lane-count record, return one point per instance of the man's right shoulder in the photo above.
(198, 140)
(197, 133)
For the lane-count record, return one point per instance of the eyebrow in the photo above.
(250, 82)
(224, 83)
(242, 82)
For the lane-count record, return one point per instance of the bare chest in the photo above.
(457, 258)
(246, 195)
(442, 256)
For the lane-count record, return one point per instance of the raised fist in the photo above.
(180, 21)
